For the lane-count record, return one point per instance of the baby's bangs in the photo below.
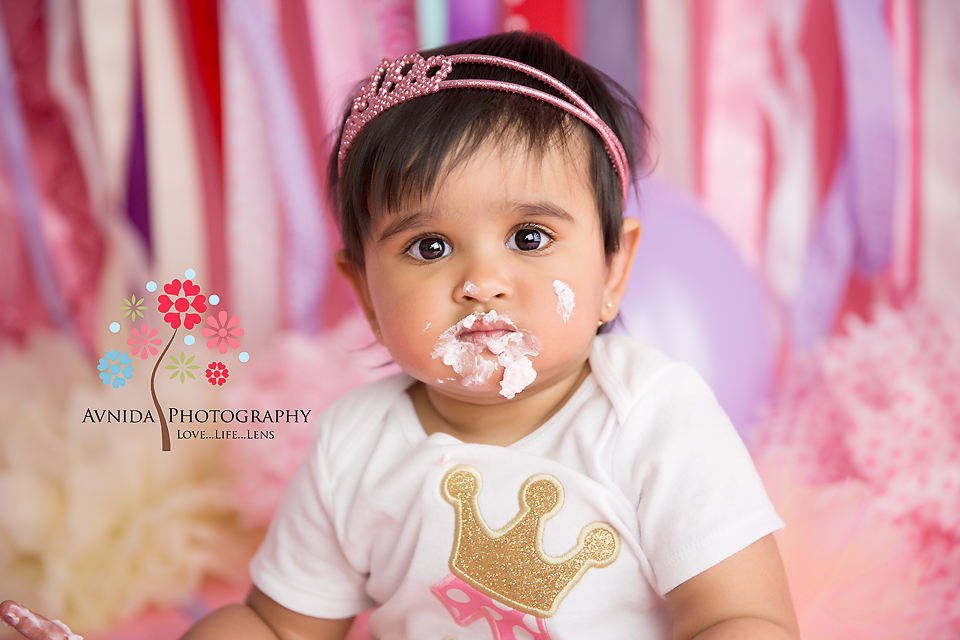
(443, 134)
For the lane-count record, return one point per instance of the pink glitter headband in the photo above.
(396, 87)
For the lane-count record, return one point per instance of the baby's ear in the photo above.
(355, 275)
(618, 275)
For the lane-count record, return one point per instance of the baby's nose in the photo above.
(482, 289)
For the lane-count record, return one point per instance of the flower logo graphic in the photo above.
(182, 367)
(142, 342)
(178, 310)
(116, 368)
(217, 374)
(223, 333)
(182, 305)
(133, 308)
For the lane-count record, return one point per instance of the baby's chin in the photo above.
(488, 392)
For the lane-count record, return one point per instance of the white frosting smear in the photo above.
(70, 634)
(18, 613)
(463, 346)
(470, 289)
(565, 299)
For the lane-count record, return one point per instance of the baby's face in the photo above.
(493, 285)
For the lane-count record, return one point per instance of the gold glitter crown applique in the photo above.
(509, 564)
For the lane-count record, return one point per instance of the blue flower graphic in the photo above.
(116, 367)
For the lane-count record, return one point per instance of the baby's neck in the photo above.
(499, 424)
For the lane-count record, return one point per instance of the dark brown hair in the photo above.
(400, 154)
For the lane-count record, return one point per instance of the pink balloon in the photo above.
(692, 296)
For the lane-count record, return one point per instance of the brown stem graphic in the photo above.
(164, 432)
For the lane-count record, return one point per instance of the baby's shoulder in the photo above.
(359, 413)
(632, 373)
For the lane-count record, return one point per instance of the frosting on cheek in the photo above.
(565, 299)
(462, 347)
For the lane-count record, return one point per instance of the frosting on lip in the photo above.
(463, 345)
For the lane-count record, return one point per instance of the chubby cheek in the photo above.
(404, 319)
(408, 321)
(563, 315)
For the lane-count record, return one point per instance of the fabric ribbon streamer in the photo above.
(13, 146)
(433, 25)
(829, 262)
(939, 277)
(253, 219)
(871, 121)
(610, 39)
(197, 23)
(555, 18)
(472, 18)
(854, 229)
(107, 29)
(735, 64)
(342, 55)
(790, 108)
(903, 271)
(177, 222)
(107, 37)
(66, 89)
(307, 251)
(395, 33)
(668, 88)
(138, 182)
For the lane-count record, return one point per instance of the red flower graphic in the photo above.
(142, 343)
(223, 333)
(182, 305)
(217, 374)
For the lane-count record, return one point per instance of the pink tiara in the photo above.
(389, 86)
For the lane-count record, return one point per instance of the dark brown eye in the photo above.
(431, 248)
(528, 240)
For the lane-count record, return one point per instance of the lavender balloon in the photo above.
(692, 296)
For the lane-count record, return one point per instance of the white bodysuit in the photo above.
(637, 484)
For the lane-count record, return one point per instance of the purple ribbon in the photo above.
(307, 254)
(13, 148)
(472, 18)
(611, 36)
(138, 183)
(870, 91)
(855, 226)
(828, 265)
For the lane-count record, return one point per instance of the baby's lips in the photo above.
(485, 321)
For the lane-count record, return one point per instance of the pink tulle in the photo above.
(299, 372)
(852, 572)
(879, 406)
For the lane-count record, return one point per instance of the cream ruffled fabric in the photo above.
(95, 520)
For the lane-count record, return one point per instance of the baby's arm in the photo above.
(745, 596)
(262, 618)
